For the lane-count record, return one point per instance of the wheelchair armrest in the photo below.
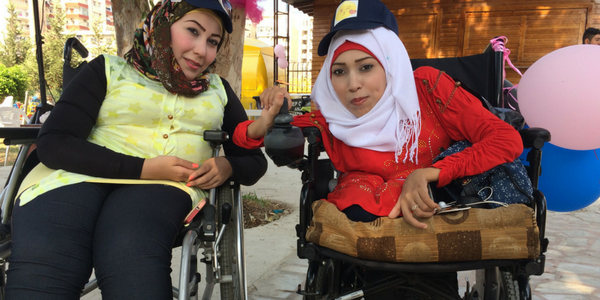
(534, 137)
(19, 135)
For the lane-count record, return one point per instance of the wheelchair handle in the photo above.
(74, 43)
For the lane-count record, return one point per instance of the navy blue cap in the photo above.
(221, 7)
(356, 15)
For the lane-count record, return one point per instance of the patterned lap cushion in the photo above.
(476, 234)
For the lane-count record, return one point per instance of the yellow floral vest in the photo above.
(139, 117)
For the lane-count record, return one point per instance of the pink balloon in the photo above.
(558, 92)
(279, 51)
(282, 63)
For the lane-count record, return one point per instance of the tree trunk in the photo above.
(127, 15)
(229, 58)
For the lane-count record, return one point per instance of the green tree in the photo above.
(100, 44)
(13, 82)
(52, 49)
(31, 68)
(15, 46)
(54, 43)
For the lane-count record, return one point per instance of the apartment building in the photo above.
(25, 15)
(80, 16)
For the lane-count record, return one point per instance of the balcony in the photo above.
(75, 5)
(77, 27)
(76, 2)
(77, 16)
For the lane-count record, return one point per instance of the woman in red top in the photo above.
(383, 124)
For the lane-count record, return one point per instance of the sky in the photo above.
(266, 4)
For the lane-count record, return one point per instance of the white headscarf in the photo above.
(394, 122)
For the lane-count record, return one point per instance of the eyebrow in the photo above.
(356, 61)
(204, 29)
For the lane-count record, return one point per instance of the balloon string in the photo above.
(508, 90)
(499, 45)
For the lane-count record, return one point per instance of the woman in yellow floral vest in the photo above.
(123, 161)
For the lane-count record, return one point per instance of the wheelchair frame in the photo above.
(495, 279)
(491, 274)
(217, 230)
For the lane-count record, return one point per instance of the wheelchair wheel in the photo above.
(498, 284)
(316, 284)
(227, 248)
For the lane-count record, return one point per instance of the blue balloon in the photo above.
(570, 179)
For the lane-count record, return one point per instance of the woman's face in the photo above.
(358, 80)
(194, 40)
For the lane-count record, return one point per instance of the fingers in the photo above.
(185, 163)
(168, 168)
(412, 204)
(212, 173)
(273, 97)
(424, 203)
(395, 211)
(410, 219)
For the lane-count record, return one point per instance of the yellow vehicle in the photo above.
(257, 70)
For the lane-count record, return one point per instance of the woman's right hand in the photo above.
(167, 168)
(414, 199)
(271, 100)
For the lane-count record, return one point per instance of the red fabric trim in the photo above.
(241, 139)
(348, 45)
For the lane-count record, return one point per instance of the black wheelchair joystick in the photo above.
(284, 143)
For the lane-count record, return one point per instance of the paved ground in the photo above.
(274, 271)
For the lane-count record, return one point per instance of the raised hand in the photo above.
(271, 100)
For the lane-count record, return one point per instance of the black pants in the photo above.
(358, 214)
(124, 232)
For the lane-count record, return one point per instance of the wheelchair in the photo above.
(335, 275)
(217, 230)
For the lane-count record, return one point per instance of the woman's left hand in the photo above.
(211, 174)
(414, 199)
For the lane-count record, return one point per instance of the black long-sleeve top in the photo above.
(62, 141)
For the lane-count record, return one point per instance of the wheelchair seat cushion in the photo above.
(476, 234)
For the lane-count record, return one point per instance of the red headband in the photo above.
(348, 45)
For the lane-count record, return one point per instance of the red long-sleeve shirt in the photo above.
(373, 180)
